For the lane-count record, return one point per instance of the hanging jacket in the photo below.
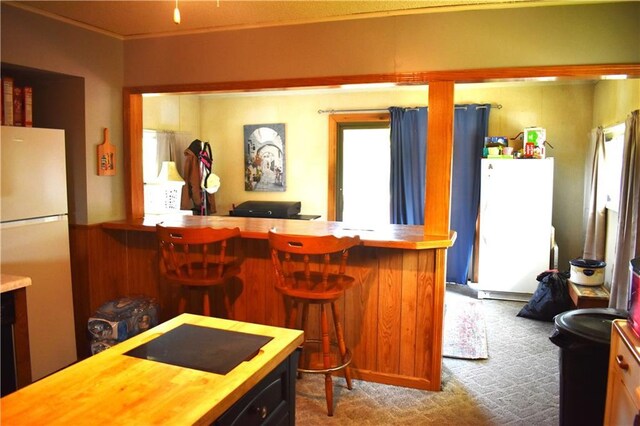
(191, 191)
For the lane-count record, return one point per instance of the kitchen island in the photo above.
(392, 316)
(113, 387)
(14, 288)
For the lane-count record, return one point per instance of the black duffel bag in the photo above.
(551, 297)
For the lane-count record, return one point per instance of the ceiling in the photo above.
(142, 19)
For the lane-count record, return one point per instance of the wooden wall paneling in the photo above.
(108, 266)
(425, 313)
(80, 278)
(21, 339)
(389, 310)
(275, 312)
(361, 308)
(235, 287)
(253, 271)
(439, 158)
(141, 265)
(408, 307)
(366, 308)
(98, 268)
(435, 344)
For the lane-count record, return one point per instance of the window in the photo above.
(364, 179)
(161, 168)
(613, 146)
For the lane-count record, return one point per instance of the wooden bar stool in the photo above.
(311, 270)
(197, 259)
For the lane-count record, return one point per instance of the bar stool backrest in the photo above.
(197, 256)
(317, 262)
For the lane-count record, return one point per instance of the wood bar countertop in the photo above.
(388, 236)
(113, 388)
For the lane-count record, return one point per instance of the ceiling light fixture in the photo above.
(176, 14)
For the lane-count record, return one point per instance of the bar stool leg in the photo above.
(341, 344)
(303, 325)
(293, 314)
(305, 316)
(227, 304)
(182, 303)
(206, 303)
(326, 358)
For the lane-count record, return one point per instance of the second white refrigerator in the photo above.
(515, 230)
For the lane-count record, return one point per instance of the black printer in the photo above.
(272, 209)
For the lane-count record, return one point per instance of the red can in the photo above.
(528, 149)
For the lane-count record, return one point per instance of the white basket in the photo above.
(162, 198)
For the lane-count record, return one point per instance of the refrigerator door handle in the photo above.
(33, 221)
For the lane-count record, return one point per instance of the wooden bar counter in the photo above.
(114, 388)
(392, 316)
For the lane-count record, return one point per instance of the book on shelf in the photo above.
(18, 106)
(28, 106)
(7, 101)
(23, 106)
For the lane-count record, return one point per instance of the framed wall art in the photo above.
(264, 157)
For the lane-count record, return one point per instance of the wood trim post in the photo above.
(439, 159)
(134, 184)
(333, 149)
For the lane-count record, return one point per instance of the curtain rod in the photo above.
(339, 111)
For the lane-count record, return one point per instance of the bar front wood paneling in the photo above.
(392, 316)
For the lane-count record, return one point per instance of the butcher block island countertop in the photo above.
(114, 388)
(389, 236)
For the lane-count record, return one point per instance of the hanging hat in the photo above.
(212, 183)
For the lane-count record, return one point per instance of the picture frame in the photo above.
(264, 157)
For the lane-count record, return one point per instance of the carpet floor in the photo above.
(518, 384)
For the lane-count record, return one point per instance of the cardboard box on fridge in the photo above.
(536, 136)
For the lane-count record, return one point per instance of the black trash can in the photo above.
(584, 337)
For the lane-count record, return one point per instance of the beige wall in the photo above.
(565, 110)
(177, 113)
(578, 34)
(34, 41)
(613, 102)
(552, 35)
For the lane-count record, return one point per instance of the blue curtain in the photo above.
(470, 128)
(408, 164)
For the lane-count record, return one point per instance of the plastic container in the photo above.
(584, 337)
(587, 272)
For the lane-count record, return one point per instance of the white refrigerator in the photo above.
(515, 230)
(34, 234)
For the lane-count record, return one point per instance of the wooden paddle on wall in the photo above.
(106, 157)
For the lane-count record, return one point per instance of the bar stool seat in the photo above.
(311, 270)
(197, 259)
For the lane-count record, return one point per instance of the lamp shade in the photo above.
(169, 173)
